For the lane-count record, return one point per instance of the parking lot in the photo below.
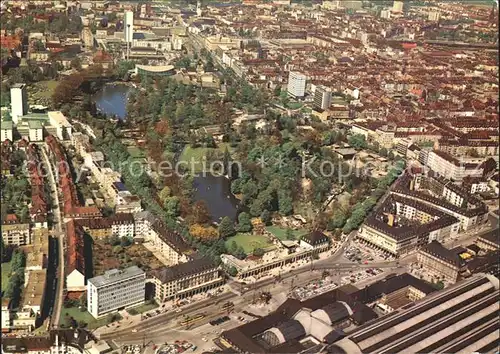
(358, 276)
(363, 254)
(314, 288)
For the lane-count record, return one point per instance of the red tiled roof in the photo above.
(75, 259)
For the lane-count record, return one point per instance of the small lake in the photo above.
(112, 100)
(216, 192)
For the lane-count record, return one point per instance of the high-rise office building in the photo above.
(116, 289)
(434, 16)
(18, 101)
(296, 84)
(397, 6)
(322, 98)
(128, 26)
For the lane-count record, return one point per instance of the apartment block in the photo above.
(186, 279)
(14, 232)
(441, 263)
(296, 84)
(116, 289)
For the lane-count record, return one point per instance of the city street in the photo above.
(57, 233)
(165, 327)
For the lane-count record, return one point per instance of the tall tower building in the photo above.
(433, 16)
(199, 11)
(322, 98)
(296, 84)
(128, 26)
(397, 6)
(18, 101)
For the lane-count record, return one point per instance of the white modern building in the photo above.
(452, 168)
(397, 6)
(18, 101)
(322, 98)
(116, 289)
(296, 84)
(128, 26)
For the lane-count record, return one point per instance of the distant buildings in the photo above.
(397, 6)
(296, 84)
(114, 290)
(434, 16)
(18, 101)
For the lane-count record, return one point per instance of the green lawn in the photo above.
(249, 242)
(5, 274)
(136, 153)
(84, 316)
(44, 89)
(280, 233)
(294, 105)
(194, 157)
(142, 308)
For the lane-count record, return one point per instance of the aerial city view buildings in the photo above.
(249, 176)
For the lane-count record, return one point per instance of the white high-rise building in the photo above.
(322, 97)
(116, 289)
(397, 6)
(18, 101)
(296, 84)
(434, 16)
(128, 26)
(199, 11)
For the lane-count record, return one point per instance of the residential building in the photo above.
(127, 202)
(171, 245)
(14, 232)
(116, 289)
(296, 84)
(34, 291)
(451, 167)
(440, 193)
(6, 130)
(6, 315)
(440, 263)
(322, 98)
(18, 101)
(75, 259)
(185, 279)
(489, 241)
(59, 122)
(384, 231)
